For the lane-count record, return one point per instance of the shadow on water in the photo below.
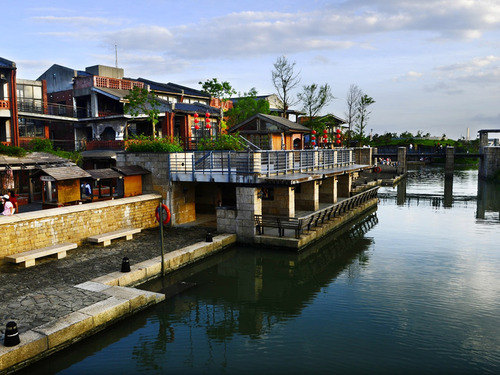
(247, 290)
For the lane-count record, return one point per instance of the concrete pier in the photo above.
(489, 167)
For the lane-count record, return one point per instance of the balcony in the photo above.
(4, 104)
(37, 106)
(253, 167)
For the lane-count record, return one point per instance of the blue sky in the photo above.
(430, 65)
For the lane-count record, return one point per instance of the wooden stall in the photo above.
(105, 183)
(131, 184)
(61, 185)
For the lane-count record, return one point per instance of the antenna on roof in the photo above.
(116, 55)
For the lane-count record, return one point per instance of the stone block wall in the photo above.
(282, 204)
(180, 202)
(248, 205)
(489, 165)
(344, 185)
(34, 230)
(308, 198)
(226, 219)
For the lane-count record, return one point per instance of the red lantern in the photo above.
(195, 115)
(337, 141)
(325, 136)
(338, 130)
(196, 121)
(338, 135)
(313, 142)
(325, 131)
(207, 114)
(207, 126)
(197, 127)
(313, 137)
(314, 132)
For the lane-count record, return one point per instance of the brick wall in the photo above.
(34, 230)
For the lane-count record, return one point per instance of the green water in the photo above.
(413, 287)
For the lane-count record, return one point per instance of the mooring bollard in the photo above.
(209, 237)
(125, 265)
(11, 335)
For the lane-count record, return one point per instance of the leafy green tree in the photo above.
(219, 90)
(284, 81)
(246, 107)
(314, 98)
(140, 101)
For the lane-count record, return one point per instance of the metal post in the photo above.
(160, 210)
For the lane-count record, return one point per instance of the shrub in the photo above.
(12, 150)
(146, 144)
(40, 145)
(223, 142)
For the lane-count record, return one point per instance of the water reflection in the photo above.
(252, 290)
(431, 186)
(488, 201)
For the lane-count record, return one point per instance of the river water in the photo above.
(413, 287)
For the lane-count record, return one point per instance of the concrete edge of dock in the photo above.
(308, 237)
(121, 300)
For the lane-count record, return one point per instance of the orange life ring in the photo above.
(167, 216)
(377, 169)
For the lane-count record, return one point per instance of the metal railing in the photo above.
(315, 219)
(268, 163)
(37, 106)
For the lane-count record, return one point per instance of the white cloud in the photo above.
(411, 75)
(77, 21)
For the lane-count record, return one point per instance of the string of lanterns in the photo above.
(338, 137)
(197, 121)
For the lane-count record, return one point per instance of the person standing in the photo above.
(7, 206)
(13, 200)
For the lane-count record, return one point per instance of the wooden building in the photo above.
(272, 132)
(61, 185)
(131, 183)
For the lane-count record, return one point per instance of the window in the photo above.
(31, 128)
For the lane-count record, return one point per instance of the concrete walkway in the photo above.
(55, 290)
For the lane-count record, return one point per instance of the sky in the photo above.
(432, 66)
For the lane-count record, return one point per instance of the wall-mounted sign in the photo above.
(47, 178)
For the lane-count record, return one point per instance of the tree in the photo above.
(314, 98)
(353, 97)
(246, 107)
(363, 116)
(284, 80)
(219, 90)
(141, 101)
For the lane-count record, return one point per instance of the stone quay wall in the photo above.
(38, 229)
(489, 165)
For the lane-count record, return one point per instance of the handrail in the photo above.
(251, 145)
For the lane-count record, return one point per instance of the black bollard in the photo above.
(11, 335)
(125, 265)
(209, 237)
